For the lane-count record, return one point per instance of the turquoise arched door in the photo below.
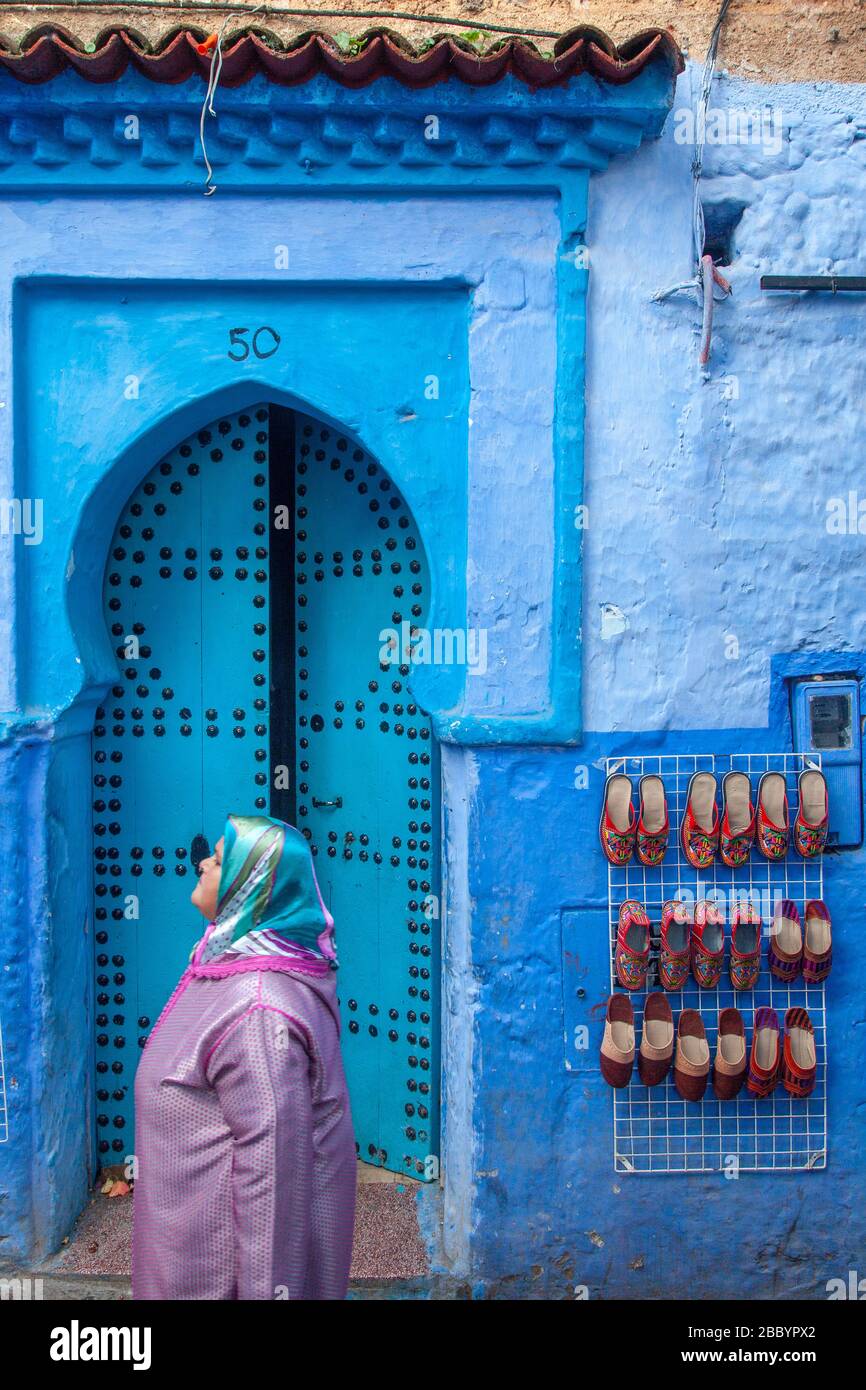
(261, 589)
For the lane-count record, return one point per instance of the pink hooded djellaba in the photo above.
(246, 1164)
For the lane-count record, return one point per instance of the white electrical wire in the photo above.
(696, 284)
(207, 108)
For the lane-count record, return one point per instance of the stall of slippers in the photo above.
(714, 1040)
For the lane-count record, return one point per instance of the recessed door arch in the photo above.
(250, 579)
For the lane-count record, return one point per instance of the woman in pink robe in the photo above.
(246, 1165)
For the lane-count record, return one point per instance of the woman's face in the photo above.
(206, 892)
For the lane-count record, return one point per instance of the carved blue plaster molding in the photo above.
(133, 137)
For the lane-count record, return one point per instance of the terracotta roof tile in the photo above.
(47, 51)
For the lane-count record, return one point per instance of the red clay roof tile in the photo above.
(48, 51)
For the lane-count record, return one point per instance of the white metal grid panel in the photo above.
(654, 1130)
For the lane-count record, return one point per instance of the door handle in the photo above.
(338, 801)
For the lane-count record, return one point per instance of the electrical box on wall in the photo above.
(826, 718)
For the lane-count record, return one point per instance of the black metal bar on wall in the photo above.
(833, 283)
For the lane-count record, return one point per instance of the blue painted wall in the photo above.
(707, 503)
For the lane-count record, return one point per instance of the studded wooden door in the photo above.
(250, 675)
(182, 738)
(368, 788)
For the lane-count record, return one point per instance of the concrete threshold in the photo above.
(48, 1286)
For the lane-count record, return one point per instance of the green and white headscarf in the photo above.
(269, 900)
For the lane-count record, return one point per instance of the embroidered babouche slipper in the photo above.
(674, 956)
(653, 825)
(818, 943)
(772, 829)
(632, 945)
(708, 944)
(617, 827)
(765, 1057)
(617, 1044)
(744, 965)
(799, 1062)
(813, 814)
(657, 1040)
(785, 953)
(699, 832)
(729, 1067)
(737, 832)
(692, 1061)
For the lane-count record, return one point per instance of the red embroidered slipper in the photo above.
(744, 965)
(729, 1068)
(699, 832)
(737, 832)
(617, 827)
(708, 944)
(785, 953)
(772, 828)
(674, 945)
(765, 1057)
(657, 1041)
(632, 945)
(813, 814)
(617, 1044)
(692, 1061)
(818, 943)
(799, 1062)
(653, 825)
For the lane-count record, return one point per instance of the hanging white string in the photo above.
(207, 108)
(706, 278)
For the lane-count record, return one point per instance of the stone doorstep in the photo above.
(72, 1288)
(389, 1258)
(108, 1288)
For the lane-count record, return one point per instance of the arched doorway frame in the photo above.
(371, 912)
(70, 444)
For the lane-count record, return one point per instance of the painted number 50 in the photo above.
(265, 342)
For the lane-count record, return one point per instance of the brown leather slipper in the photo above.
(692, 1063)
(617, 1045)
(657, 1041)
(729, 1068)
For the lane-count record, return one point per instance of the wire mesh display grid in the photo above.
(654, 1130)
(4, 1118)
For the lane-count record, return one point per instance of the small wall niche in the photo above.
(721, 221)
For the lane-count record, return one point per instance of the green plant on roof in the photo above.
(350, 43)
